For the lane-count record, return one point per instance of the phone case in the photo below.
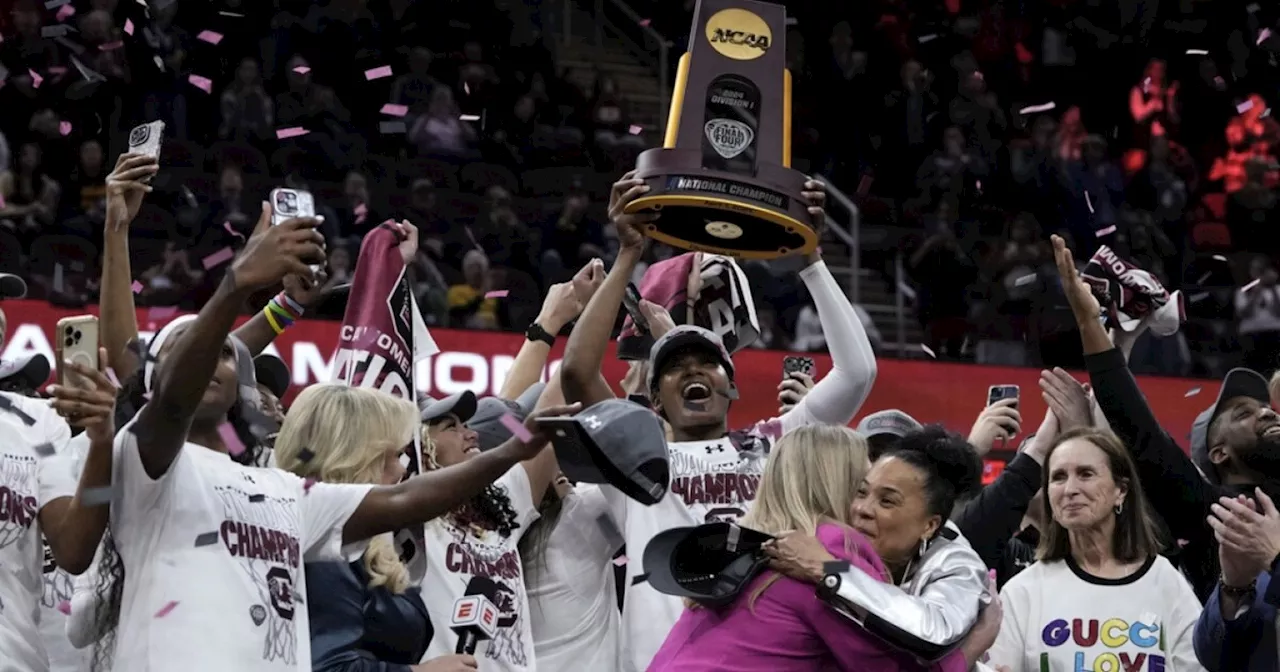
(77, 340)
(290, 203)
(998, 392)
(147, 139)
(631, 301)
(792, 365)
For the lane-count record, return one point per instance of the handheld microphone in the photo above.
(474, 618)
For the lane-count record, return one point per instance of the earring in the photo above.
(1119, 507)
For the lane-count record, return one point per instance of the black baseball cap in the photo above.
(616, 442)
(271, 372)
(681, 337)
(29, 371)
(12, 286)
(462, 405)
(486, 422)
(709, 564)
(1238, 382)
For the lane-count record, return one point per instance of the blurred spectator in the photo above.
(83, 208)
(1258, 308)
(440, 132)
(1153, 105)
(30, 196)
(415, 87)
(169, 281)
(341, 268)
(1252, 216)
(943, 271)
(247, 110)
(572, 236)
(468, 306)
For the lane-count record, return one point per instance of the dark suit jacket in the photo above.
(358, 629)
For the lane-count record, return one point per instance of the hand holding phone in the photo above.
(997, 392)
(631, 301)
(792, 365)
(147, 140)
(77, 341)
(290, 203)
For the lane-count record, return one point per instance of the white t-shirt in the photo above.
(457, 556)
(711, 481)
(234, 602)
(59, 588)
(1056, 617)
(29, 479)
(573, 603)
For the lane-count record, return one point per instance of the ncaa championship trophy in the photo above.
(722, 178)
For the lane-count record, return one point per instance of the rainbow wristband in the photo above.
(281, 312)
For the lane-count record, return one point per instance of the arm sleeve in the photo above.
(840, 393)
(852, 648)
(1178, 493)
(336, 610)
(1009, 649)
(325, 510)
(994, 516)
(1223, 646)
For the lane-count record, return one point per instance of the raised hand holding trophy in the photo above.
(723, 179)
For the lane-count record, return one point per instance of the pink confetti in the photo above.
(65, 607)
(156, 313)
(57, 70)
(1106, 231)
(466, 88)
(928, 351)
(128, 26)
(110, 46)
(1192, 392)
(202, 83)
(302, 69)
(644, 23)
(36, 79)
(226, 226)
(230, 439)
(1244, 107)
(291, 132)
(377, 73)
(635, 130)
(516, 427)
(1038, 108)
(136, 287)
(306, 485)
(620, 561)
(164, 611)
(209, 36)
(395, 110)
(1263, 35)
(64, 127)
(223, 255)
(1251, 285)
(496, 294)
(361, 211)
(64, 12)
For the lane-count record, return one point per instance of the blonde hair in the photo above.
(347, 432)
(812, 476)
(1273, 386)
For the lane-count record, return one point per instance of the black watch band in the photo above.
(535, 332)
(1237, 592)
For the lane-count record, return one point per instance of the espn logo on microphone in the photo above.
(475, 611)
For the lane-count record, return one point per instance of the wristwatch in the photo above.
(535, 332)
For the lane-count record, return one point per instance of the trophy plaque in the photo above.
(722, 179)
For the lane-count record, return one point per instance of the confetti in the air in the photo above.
(207, 539)
(1032, 109)
(377, 73)
(230, 439)
(635, 130)
(1251, 285)
(223, 255)
(1219, 257)
(1197, 52)
(156, 313)
(233, 15)
(469, 117)
(620, 561)
(65, 12)
(202, 83)
(927, 350)
(925, 39)
(496, 294)
(1192, 392)
(1025, 280)
(1244, 107)
(291, 132)
(128, 26)
(516, 427)
(36, 79)
(164, 611)
(65, 607)
(1263, 35)
(302, 69)
(361, 211)
(226, 226)
(209, 36)
(45, 449)
(395, 110)
(644, 23)
(1106, 231)
(110, 46)
(97, 496)
(1088, 202)
(64, 127)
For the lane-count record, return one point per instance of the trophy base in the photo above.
(762, 217)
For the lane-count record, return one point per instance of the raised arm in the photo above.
(272, 252)
(429, 495)
(299, 294)
(584, 354)
(563, 304)
(125, 191)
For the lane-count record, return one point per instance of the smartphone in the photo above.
(147, 139)
(792, 365)
(997, 392)
(631, 301)
(77, 341)
(290, 203)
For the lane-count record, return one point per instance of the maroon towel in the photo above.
(1129, 294)
(708, 290)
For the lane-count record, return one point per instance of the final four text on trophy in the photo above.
(723, 179)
